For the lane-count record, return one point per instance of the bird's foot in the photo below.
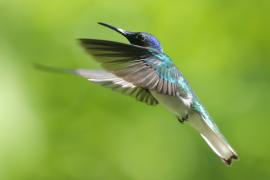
(183, 118)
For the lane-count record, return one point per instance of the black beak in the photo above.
(125, 33)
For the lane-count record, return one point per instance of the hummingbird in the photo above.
(143, 71)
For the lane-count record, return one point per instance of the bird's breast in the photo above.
(175, 104)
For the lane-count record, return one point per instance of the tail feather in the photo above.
(220, 146)
(214, 139)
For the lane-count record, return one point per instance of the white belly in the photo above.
(174, 103)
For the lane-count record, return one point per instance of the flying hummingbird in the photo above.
(142, 70)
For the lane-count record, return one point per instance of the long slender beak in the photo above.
(119, 30)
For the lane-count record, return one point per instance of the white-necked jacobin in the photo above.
(142, 70)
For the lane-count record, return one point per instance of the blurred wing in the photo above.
(143, 67)
(118, 84)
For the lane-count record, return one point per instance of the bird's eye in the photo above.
(141, 37)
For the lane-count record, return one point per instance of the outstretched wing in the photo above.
(141, 66)
(118, 84)
(108, 80)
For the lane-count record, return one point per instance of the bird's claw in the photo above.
(183, 118)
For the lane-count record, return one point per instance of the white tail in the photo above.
(213, 138)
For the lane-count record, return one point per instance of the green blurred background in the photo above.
(63, 127)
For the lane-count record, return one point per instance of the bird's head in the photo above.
(137, 38)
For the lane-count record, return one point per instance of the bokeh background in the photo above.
(62, 127)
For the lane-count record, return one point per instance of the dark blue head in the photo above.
(138, 38)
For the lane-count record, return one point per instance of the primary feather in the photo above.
(108, 80)
(118, 84)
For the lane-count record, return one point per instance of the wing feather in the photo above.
(141, 66)
(118, 84)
